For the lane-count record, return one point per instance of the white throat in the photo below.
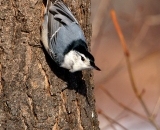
(73, 61)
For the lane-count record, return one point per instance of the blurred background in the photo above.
(118, 106)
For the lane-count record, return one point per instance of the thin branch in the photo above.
(142, 33)
(98, 24)
(112, 120)
(99, 15)
(120, 34)
(126, 52)
(117, 119)
(111, 124)
(122, 105)
(150, 21)
(156, 108)
(111, 73)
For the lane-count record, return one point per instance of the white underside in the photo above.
(73, 62)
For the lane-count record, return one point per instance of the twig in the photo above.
(142, 33)
(110, 123)
(122, 105)
(156, 108)
(126, 52)
(111, 73)
(99, 15)
(150, 21)
(112, 120)
(98, 24)
(120, 34)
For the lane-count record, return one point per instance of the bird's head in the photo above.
(77, 61)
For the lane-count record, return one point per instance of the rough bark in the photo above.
(33, 93)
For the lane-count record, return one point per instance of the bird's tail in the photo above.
(49, 25)
(61, 13)
(55, 14)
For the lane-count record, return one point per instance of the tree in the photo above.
(34, 92)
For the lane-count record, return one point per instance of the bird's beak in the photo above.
(95, 67)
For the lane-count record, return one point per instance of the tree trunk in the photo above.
(35, 94)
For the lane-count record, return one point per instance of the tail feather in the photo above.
(62, 13)
(53, 25)
(55, 15)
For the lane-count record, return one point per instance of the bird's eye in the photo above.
(82, 58)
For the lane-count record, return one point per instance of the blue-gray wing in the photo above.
(53, 27)
(62, 13)
(63, 29)
(64, 36)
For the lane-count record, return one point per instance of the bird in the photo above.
(64, 39)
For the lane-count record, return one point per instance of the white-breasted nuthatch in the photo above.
(64, 40)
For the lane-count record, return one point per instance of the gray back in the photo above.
(63, 38)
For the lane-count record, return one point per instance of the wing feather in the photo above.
(62, 13)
